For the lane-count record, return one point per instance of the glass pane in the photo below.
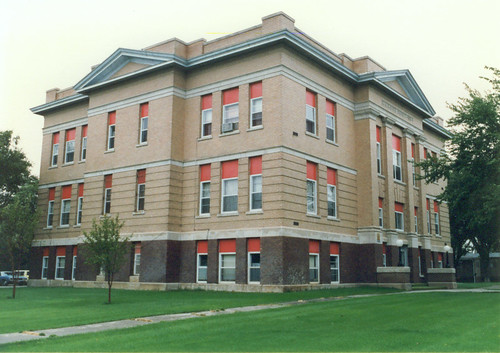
(206, 116)
(230, 204)
(228, 261)
(207, 129)
(144, 136)
(254, 260)
(310, 113)
(310, 127)
(255, 275)
(257, 201)
(144, 123)
(313, 261)
(70, 146)
(228, 274)
(231, 113)
(205, 190)
(330, 135)
(256, 119)
(205, 206)
(313, 275)
(331, 209)
(257, 105)
(202, 274)
(231, 187)
(203, 260)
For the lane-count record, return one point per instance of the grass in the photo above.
(469, 285)
(43, 308)
(417, 322)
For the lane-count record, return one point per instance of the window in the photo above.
(440, 260)
(255, 183)
(229, 186)
(414, 177)
(83, 155)
(311, 187)
(398, 212)
(202, 261)
(334, 262)
(416, 220)
(65, 205)
(227, 260)
(384, 255)
(111, 131)
(379, 151)
(137, 259)
(403, 256)
(330, 121)
(205, 176)
(70, 146)
(50, 210)
(141, 190)
(313, 261)
(206, 115)
(396, 158)
(55, 149)
(108, 181)
(60, 262)
(73, 268)
(144, 117)
(436, 217)
(79, 211)
(428, 216)
(331, 190)
(230, 110)
(311, 112)
(256, 104)
(420, 273)
(45, 263)
(381, 212)
(253, 247)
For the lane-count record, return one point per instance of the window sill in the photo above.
(63, 226)
(313, 215)
(82, 161)
(254, 212)
(381, 176)
(416, 188)
(332, 143)
(204, 138)
(138, 213)
(68, 164)
(202, 216)
(330, 218)
(53, 167)
(228, 214)
(141, 144)
(77, 226)
(260, 127)
(312, 135)
(235, 132)
(399, 182)
(109, 151)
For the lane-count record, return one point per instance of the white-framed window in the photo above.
(256, 112)
(206, 122)
(137, 264)
(420, 273)
(50, 214)
(107, 200)
(428, 217)
(332, 200)
(65, 211)
(229, 195)
(414, 175)
(60, 264)
(205, 198)
(396, 166)
(384, 255)
(84, 148)
(255, 192)
(310, 119)
(440, 260)
(227, 265)
(403, 256)
(70, 151)
(201, 268)
(436, 223)
(73, 270)
(141, 197)
(143, 137)
(399, 216)
(79, 211)
(313, 268)
(311, 196)
(55, 149)
(379, 159)
(230, 115)
(45, 267)
(330, 121)
(334, 268)
(416, 221)
(111, 137)
(381, 217)
(254, 267)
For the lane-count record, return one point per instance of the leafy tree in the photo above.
(18, 220)
(106, 249)
(472, 170)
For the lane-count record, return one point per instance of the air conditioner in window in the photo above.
(227, 127)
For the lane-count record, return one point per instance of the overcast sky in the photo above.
(52, 43)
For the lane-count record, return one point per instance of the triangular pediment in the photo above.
(121, 63)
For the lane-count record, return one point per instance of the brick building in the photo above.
(257, 161)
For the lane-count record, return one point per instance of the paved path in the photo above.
(113, 325)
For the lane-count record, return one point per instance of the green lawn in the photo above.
(43, 308)
(418, 322)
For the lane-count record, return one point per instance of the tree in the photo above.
(18, 220)
(105, 248)
(472, 170)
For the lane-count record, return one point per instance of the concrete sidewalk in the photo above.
(120, 324)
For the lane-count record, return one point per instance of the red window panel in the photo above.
(84, 130)
(379, 133)
(202, 247)
(314, 246)
(52, 194)
(144, 109)
(227, 245)
(80, 190)
(398, 207)
(230, 96)
(61, 251)
(230, 169)
(396, 143)
(384, 249)
(256, 165)
(70, 134)
(55, 138)
(137, 248)
(380, 202)
(311, 98)
(46, 251)
(253, 245)
(334, 248)
(206, 102)
(75, 250)
(108, 181)
(440, 257)
(425, 153)
(112, 118)
(256, 90)
(141, 176)
(330, 108)
(428, 204)
(66, 192)
(312, 170)
(416, 210)
(412, 150)
(436, 207)
(331, 176)
(205, 172)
